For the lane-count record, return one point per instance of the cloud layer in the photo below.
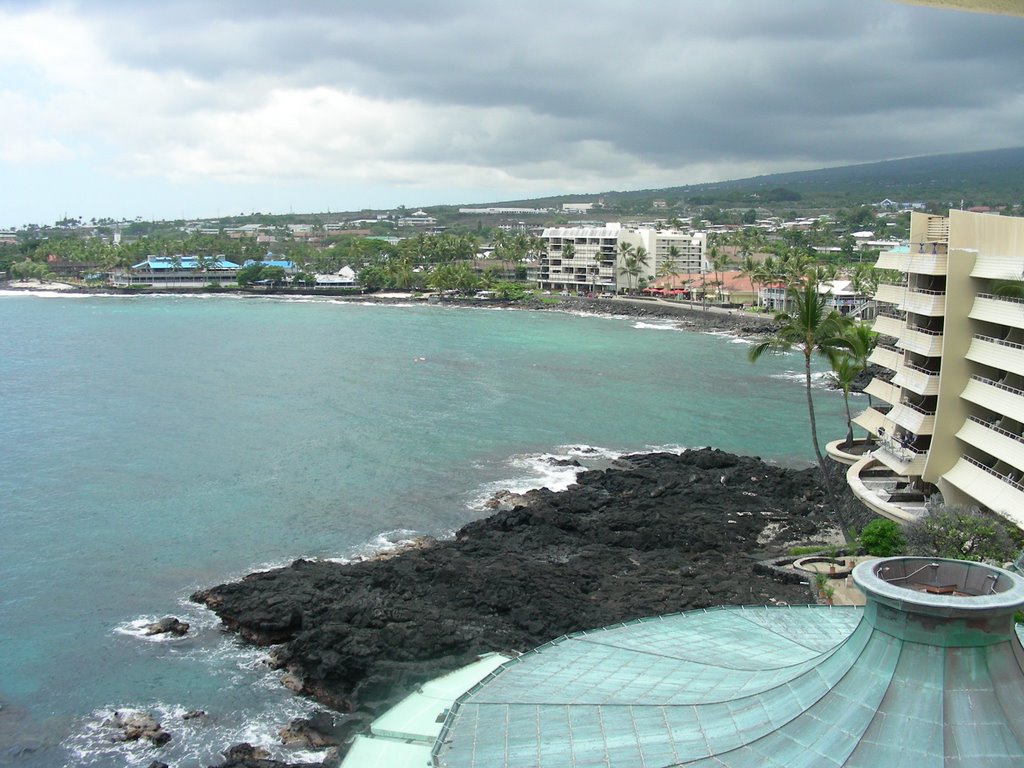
(126, 107)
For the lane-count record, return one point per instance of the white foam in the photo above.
(664, 326)
(138, 628)
(382, 543)
(45, 294)
(192, 738)
(544, 470)
(819, 379)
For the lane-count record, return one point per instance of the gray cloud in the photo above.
(604, 92)
(671, 81)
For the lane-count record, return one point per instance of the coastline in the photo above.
(655, 534)
(689, 316)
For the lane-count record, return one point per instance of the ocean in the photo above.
(154, 445)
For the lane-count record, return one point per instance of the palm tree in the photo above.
(672, 263)
(624, 255)
(666, 269)
(715, 259)
(720, 262)
(844, 373)
(862, 343)
(643, 260)
(813, 330)
(631, 269)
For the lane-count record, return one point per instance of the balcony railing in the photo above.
(997, 385)
(1005, 478)
(1012, 299)
(919, 369)
(919, 409)
(901, 450)
(1001, 342)
(994, 428)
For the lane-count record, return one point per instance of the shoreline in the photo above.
(690, 317)
(654, 534)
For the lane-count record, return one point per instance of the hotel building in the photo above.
(594, 263)
(948, 411)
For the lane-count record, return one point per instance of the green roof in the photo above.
(770, 686)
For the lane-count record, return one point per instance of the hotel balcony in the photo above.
(999, 354)
(884, 492)
(884, 391)
(998, 309)
(913, 419)
(886, 356)
(995, 441)
(995, 397)
(926, 263)
(921, 259)
(870, 419)
(1001, 494)
(889, 293)
(902, 460)
(894, 260)
(997, 267)
(921, 341)
(888, 326)
(917, 379)
(924, 302)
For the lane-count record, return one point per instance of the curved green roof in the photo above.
(772, 686)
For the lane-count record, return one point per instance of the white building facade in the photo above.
(594, 263)
(948, 410)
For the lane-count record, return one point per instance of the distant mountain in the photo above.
(976, 178)
(925, 176)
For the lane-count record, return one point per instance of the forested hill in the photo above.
(991, 177)
(997, 175)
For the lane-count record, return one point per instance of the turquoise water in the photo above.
(150, 446)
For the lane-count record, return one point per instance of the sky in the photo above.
(204, 108)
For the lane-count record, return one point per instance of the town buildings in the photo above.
(839, 294)
(948, 409)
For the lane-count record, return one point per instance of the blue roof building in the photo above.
(285, 264)
(176, 263)
(178, 272)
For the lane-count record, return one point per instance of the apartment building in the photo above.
(685, 253)
(948, 412)
(579, 259)
(594, 263)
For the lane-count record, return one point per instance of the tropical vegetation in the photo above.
(882, 538)
(813, 329)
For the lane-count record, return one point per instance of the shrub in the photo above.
(962, 533)
(882, 538)
(808, 549)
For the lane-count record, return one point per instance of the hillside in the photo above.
(976, 178)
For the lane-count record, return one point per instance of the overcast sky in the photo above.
(194, 108)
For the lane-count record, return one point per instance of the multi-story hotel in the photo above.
(948, 413)
(594, 263)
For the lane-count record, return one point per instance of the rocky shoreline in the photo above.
(695, 316)
(656, 533)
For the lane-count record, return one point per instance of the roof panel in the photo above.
(748, 687)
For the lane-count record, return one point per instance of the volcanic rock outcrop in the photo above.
(657, 533)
